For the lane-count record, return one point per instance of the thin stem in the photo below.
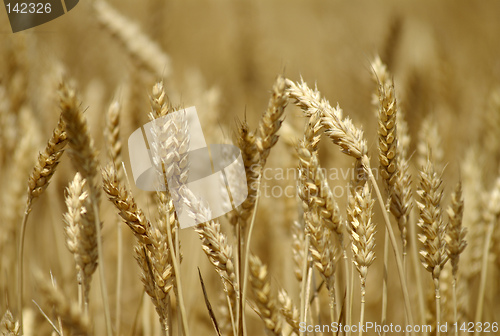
(484, 272)
(303, 297)
(20, 263)
(119, 271)
(333, 305)
(239, 303)
(247, 255)
(362, 314)
(455, 309)
(308, 290)
(100, 256)
(399, 263)
(416, 271)
(351, 299)
(175, 262)
(347, 282)
(438, 305)
(384, 283)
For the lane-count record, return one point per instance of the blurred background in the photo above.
(223, 56)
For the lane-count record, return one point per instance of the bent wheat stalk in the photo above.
(350, 139)
(37, 183)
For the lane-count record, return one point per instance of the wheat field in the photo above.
(370, 139)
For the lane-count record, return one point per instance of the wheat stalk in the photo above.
(350, 139)
(38, 181)
(142, 50)
(81, 236)
(359, 210)
(124, 202)
(456, 240)
(433, 254)
(271, 120)
(114, 146)
(84, 159)
(491, 217)
(70, 314)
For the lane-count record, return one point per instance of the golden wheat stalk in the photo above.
(350, 140)
(360, 210)
(433, 236)
(70, 314)
(81, 236)
(142, 50)
(38, 181)
(491, 217)
(456, 242)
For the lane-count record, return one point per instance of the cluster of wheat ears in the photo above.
(332, 241)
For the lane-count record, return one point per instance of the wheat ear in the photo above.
(289, 311)
(142, 50)
(38, 181)
(84, 159)
(214, 242)
(261, 288)
(70, 314)
(8, 326)
(362, 229)
(433, 254)
(114, 146)
(456, 240)
(124, 202)
(81, 236)
(169, 149)
(350, 139)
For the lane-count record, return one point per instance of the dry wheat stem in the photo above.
(350, 139)
(71, 316)
(38, 181)
(456, 240)
(214, 242)
(169, 150)
(114, 145)
(84, 159)
(321, 213)
(81, 236)
(362, 229)
(433, 236)
(491, 217)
